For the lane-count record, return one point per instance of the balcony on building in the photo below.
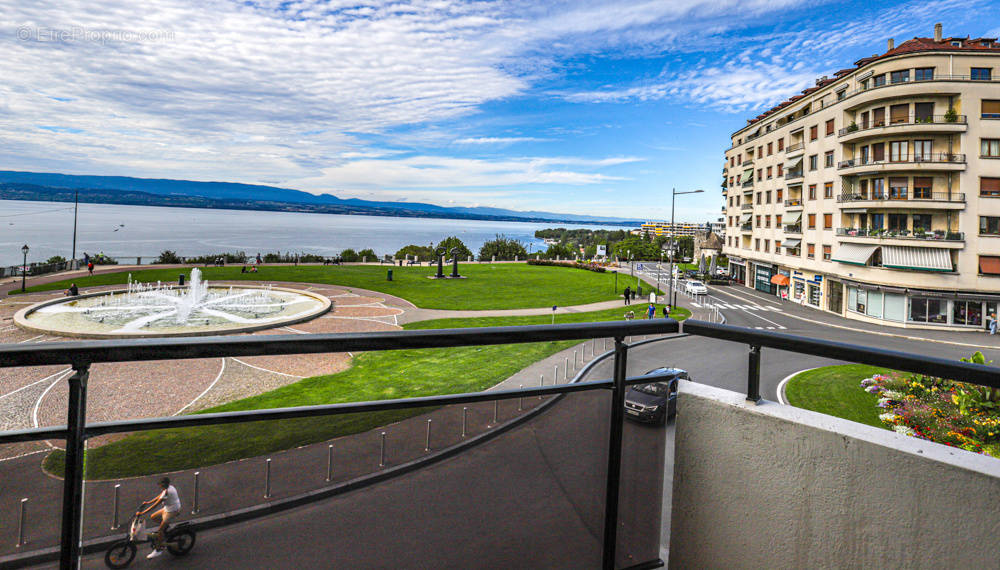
(794, 149)
(793, 175)
(910, 257)
(793, 229)
(793, 204)
(911, 124)
(907, 199)
(746, 206)
(746, 228)
(929, 238)
(931, 162)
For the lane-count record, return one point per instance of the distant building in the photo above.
(718, 227)
(680, 229)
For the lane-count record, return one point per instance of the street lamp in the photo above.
(24, 265)
(76, 206)
(673, 241)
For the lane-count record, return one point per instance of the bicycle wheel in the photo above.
(181, 543)
(120, 554)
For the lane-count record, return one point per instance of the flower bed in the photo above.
(952, 413)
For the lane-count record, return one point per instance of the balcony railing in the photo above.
(926, 158)
(909, 121)
(793, 229)
(748, 183)
(746, 206)
(936, 77)
(795, 147)
(793, 202)
(889, 196)
(746, 227)
(748, 161)
(793, 174)
(935, 235)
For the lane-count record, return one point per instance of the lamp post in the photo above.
(673, 241)
(76, 205)
(24, 265)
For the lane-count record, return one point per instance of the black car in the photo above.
(657, 401)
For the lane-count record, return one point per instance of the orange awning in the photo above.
(780, 280)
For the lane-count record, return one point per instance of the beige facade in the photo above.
(877, 193)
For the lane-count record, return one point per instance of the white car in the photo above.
(696, 288)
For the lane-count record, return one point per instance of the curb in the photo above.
(784, 381)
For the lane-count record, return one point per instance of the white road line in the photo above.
(695, 304)
(30, 339)
(38, 402)
(748, 291)
(781, 385)
(296, 331)
(265, 369)
(35, 382)
(26, 454)
(210, 386)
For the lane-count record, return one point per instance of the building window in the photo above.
(760, 174)
(770, 148)
(981, 73)
(812, 191)
(756, 244)
(812, 221)
(828, 189)
(781, 145)
(828, 159)
(778, 195)
(878, 152)
(989, 187)
(813, 161)
(767, 246)
(989, 148)
(878, 117)
(777, 246)
(769, 174)
(923, 151)
(991, 109)
(827, 221)
(989, 226)
(923, 74)
(901, 76)
(922, 188)
(924, 310)
(758, 220)
(777, 220)
(758, 197)
(899, 114)
(811, 251)
(739, 159)
(826, 253)
(923, 112)
(814, 132)
(898, 151)
(989, 265)
(921, 223)
(897, 222)
(767, 221)
(897, 188)
(879, 80)
(829, 127)
(878, 189)
(767, 197)
(864, 85)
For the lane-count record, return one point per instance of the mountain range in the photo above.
(15, 185)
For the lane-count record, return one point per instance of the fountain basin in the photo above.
(88, 316)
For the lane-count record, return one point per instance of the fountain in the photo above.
(157, 309)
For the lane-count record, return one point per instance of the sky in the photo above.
(583, 107)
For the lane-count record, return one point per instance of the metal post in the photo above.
(566, 368)
(76, 206)
(541, 383)
(465, 421)
(381, 451)
(114, 519)
(72, 507)
(555, 374)
(267, 478)
(605, 345)
(194, 505)
(520, 401)
(614, 455)
(576, 360)
(753, 375)
(496, 411)
(427, 441)
(329, 463)
(21, 520)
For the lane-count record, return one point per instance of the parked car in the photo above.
(691, 274)
(655, 402)
(695, 288)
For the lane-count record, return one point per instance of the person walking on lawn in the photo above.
(628, 295)
(650, 311)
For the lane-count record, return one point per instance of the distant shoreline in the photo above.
(32, 192)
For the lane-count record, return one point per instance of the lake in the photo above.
(145, 231)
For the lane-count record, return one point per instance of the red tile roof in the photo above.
(909, 46)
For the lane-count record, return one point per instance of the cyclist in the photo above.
(171, 508)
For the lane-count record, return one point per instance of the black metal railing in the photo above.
(81, 355)
(940, 157)
(889, 195)
(746, 227)
(793, 229)
(881, 233)
(795, 147)
(907, 122)
(793, 202)
(792, 174)
(746, 206)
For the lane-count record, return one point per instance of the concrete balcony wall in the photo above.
(774, 486)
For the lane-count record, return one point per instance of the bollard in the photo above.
(267, 479)
(21, 521)
(496, 411)
(566, 368)
(194, 508)
(576, 360)
(520, 401)
(329, 463)
(605, 345)
(541, 384)
(381, 451)
(427, 443)
(114, 519)
(555, 374)
(465, 420)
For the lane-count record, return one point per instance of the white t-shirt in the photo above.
(171, 501)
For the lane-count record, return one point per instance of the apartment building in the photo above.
(875, 194)
(682, 229)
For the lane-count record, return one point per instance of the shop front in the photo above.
(919, 307)
(763, 274)
(738, 269)
(782, 281)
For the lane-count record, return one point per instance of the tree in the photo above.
(451, 242)
(419, 252)
(349, 255)
(56, 259)
(368, 254)
(503, 248)
(563, 251)
(167, 256)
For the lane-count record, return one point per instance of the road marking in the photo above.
(38, 402)
(26, 454)
(30, 339)
(695, 304)
(210, 386)
(35, 382)
(265, 369)
(781, 386)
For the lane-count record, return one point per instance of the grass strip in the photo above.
(836, 391)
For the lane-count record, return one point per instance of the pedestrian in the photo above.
(86, 258)
(666, 311)
(73, 290)
(993, 323)
(259, 260)
(651, 311)
(90, 267)
(628, 295)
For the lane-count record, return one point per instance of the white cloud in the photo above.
(496, 140)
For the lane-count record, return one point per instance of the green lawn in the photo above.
(373, 376)
(488, 286)
(836, 391)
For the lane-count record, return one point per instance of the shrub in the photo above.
(420, 252)
(349, 255)
(453, 242)
(951, 115)
(56, 259)
(368, 254)
(576, 264)
(503, 248)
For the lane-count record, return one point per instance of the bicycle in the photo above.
(180, 540)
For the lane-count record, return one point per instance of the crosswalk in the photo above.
(749, 308)
(732, 306)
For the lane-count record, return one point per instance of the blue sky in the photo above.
(584, 107)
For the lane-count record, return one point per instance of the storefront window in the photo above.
(862, 302)
(874, 304)
(800, 290)
(924, 310)
(968, 313)
(814, 295)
